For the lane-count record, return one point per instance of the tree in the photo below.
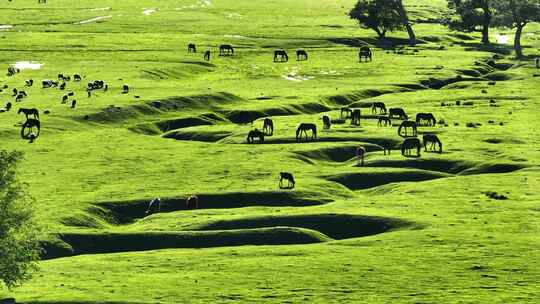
(472, 13)
(517, 14)
(19, 248)
(378, 15)
(405, 20)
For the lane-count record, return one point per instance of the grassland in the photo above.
(397, 230)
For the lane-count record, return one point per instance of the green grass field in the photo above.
(397, 230)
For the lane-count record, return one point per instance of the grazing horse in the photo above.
(65, 99)
(355, 117)
(62, 86)
(397, 113)
(280, 56)
(191, 48)
(303, 128)
(73, 103)
(346, 111)
(192, 202)
(301, 55)
(289, 178)
(360, 153)
(410, 144)
(365, 52)
(387, 121)
(8, 106)
(28, 112)
(406, 125)
(327, 122)
(154, 206)
(207, 56)
(77, 77)
(433, 140)
(29, 82)
(226, 50)
(15, 92)
(28, 128)
(253, 134)
(378, 106)
(268, 127)
(425, 119)
(125, 89)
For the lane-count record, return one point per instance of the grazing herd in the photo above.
(31, 128)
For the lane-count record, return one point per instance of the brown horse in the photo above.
(406, 125)
(289, 178)
(254, 134)
(410, 144)
(27, 112)
(365, 52)
(268, 127)
(360, 153)
(355, 117)
(192, 202)
(433, 140)
(303, 128)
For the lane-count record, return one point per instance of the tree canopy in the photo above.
(19, 248)
(377, 15)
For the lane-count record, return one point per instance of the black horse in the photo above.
(433, 140)
(355, 117)
(28, 128)
(255, 134)
(280, 56)
(303, 128)
(226, 50)
(207, 56)
(346, 111)
(365, 52)
(154, 206)
(268, 127)
(327, 122)
(191, 48)
(289, 178)
(397, 113)
(406, 125)
(410, 144)
(301, 55)
(378, 107)
(384, 119)
(426, 119)
(28, 112)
